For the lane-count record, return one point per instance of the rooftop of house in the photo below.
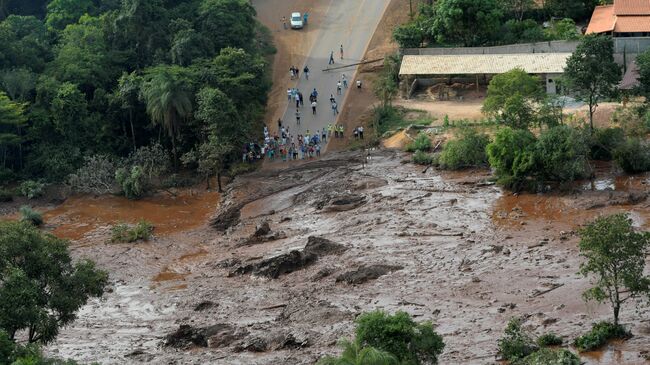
(624, 16)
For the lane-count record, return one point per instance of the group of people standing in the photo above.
(287, 147)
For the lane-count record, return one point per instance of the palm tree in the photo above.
(128, 87)
(355, 354)
(168, 99)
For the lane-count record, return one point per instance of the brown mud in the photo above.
(447, 247)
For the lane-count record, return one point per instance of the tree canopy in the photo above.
(591, 73)
(615, 256)
(107, 77)
(41, 288)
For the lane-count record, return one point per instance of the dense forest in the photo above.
(101, 82)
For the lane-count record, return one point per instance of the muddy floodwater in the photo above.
(169, 213)
(276, 271)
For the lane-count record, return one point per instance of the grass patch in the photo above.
(124, 233)
(30, 216)
(600, 333)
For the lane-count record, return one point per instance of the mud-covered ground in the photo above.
(446, 247)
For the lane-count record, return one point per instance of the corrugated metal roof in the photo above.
(631, 24)
(602, 20)
(632, 7)
(533, 63)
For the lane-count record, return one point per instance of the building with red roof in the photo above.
(624, 18)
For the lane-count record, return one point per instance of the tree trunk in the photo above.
(219, 182)
(132, 129)
(174, 152)
(617, 308)
(207, 181)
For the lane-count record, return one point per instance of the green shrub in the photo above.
(31, 189)
(132, 182)
(549, 339)
(422, 158)
(605, 142)
(421, 143)
(600, 333)
(633, 156)
(27, 214)
(466, 151)
(398, 334)
(6, 195)
(125, 233)
(562, 154)
(550, 357)
(516, 343)
(512, 156)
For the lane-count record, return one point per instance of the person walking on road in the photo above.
(289, 93)
(315, 94)
(284, 22)
(313, 107)
(306, 72)
(345, 81)
(300, 99)
(341, 49)
(332, 100)
(335, 108)
(338, 88)
(297, 116)
(331, 58)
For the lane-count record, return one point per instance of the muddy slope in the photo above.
(425, 243)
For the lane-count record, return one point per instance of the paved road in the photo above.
(350, 23)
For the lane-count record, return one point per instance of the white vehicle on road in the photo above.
(296, 21)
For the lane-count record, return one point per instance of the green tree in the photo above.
(18, 83)
(512, 156)
(564, 29)
(643, 62)
(128, 90)
(168, 98)
(575, 9)
(411, 343)
(517, 7)
(520, 31)
(229, 23)
(41, 289)
(467, 22)
(512, 97)
(210, 157)
(60, 13)
(591, 73)
(562, 154)
(24, 42)
(355, 354)
(12, 120)
(220, 117)
(409, 35)
(83, 57)
(615, 255)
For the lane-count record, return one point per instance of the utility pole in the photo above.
(411, 9)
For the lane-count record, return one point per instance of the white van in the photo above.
(296, 21)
